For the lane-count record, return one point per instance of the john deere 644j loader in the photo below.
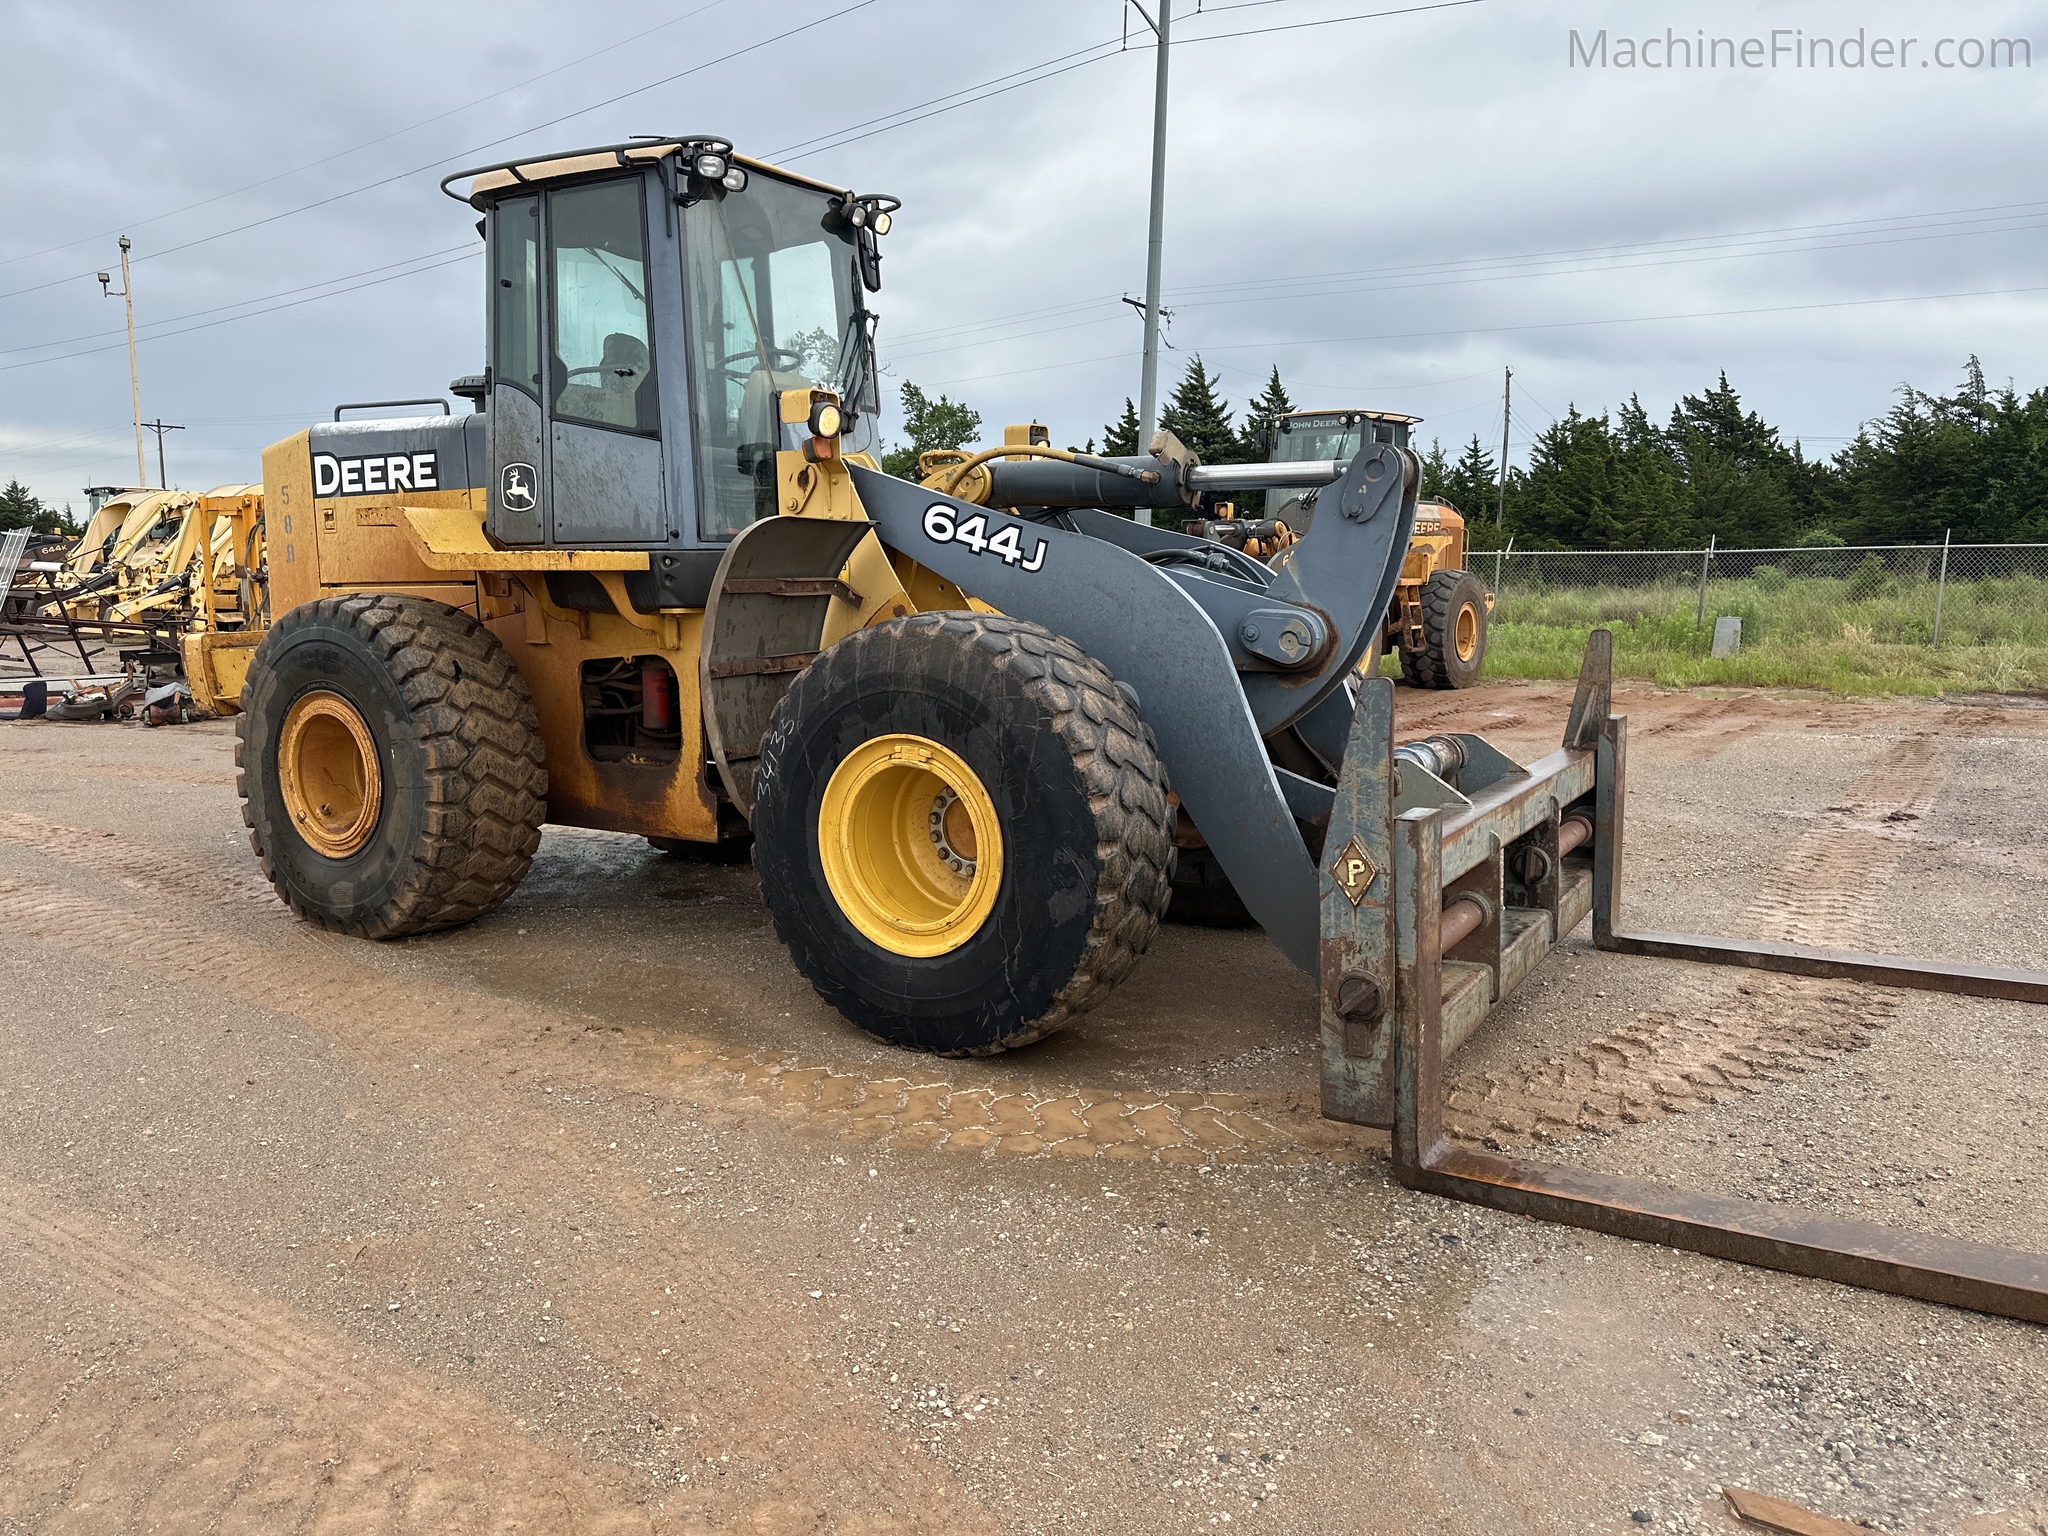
(656, 584)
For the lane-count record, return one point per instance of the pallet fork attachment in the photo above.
(1433, 901)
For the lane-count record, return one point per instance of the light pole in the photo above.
(126, 296)
(1148, 381)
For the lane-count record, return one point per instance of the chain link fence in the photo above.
(1912, 594)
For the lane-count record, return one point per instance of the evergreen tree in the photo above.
(930, 424)
(1260, 415)
(1653, 509)
(1120, 439)
(1436, 473)
(1469, 485)
(1974, 463)
(1568, 499)
(1200, 418)
(20, 508)
(1736, 469)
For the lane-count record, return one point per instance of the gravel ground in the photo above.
(591, 1217)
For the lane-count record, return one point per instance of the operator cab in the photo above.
(1305, 436)
(648, 301)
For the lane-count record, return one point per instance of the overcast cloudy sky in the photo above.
(1392, 208)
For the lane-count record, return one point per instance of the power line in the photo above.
(239, 303)
(1017, 314)
(1546, 410)
(1710, 314)
(1184, 292)
(1618, 266)
(804, 145)
(476, 149)
(1999, 211)
(799, 151)
(1449, 282)
(1549, 325)
(836, 139)
(1328, 21)
(230, 319)
(367, 143)
(1006, 373)
(160, 427)
(62, 444)
(971, 101)
(1298, 383)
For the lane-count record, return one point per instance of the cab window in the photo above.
(516, 292)
(603, 372)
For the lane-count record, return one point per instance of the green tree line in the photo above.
(1974, 461)
(21, 509)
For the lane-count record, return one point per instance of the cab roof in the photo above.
(486, 181)
(1354, 412)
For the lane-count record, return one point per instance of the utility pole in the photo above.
(1507, 406)
(160, 427)
(1148, 382)
(126, 296)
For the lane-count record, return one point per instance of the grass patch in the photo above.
(1863, 634)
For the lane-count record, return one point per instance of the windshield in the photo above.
(1299, 439)
(772, 306)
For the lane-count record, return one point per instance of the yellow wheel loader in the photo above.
(656, 583)
(1437, 621)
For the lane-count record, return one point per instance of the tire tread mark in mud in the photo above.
(294, 1394)
(1722, 1032)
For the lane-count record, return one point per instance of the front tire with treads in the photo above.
(393, 778)
(962, 831)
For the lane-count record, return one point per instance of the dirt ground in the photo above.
(592, 1218)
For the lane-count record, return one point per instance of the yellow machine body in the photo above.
(432, 544)
(1438, 544)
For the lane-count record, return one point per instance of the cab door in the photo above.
(604, 459)
(517, 497)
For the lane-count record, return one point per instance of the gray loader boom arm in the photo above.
(1220, 650)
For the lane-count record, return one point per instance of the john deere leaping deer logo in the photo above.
(515, 487)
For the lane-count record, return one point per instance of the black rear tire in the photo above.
(1453, 631)
(458, 746)
(1077, 791)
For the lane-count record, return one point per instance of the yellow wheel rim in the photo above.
(1468, 632)
(912, 849)
(327, 772)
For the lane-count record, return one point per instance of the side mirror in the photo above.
(870, 255)
(473, 387)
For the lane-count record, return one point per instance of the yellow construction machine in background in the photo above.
(155, 573)
(1437, 621)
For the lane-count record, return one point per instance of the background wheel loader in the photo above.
(657, 584)
(1437, 621)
